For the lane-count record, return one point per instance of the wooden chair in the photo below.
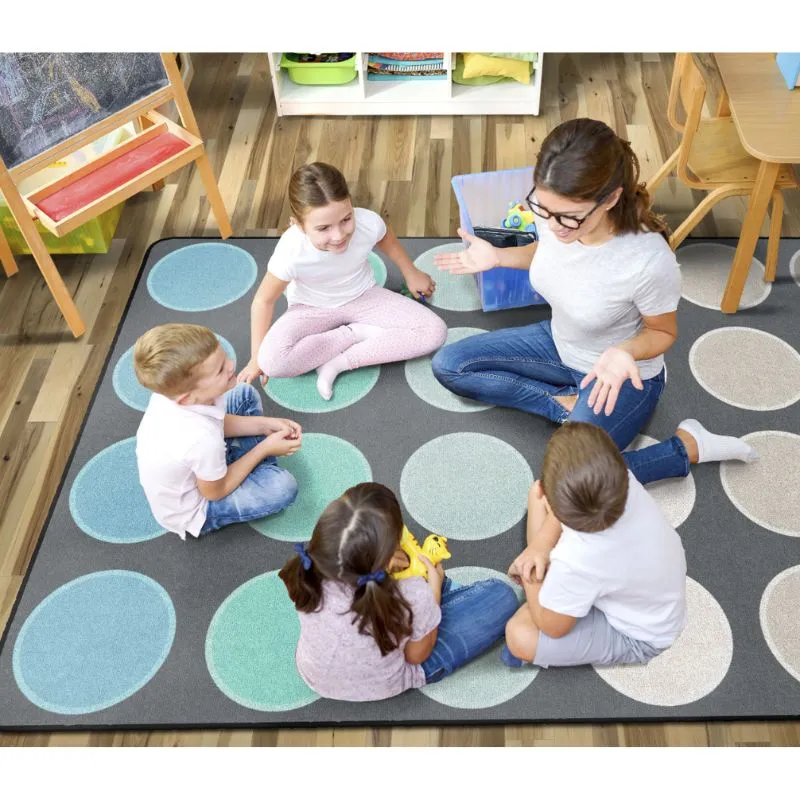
(711, 156)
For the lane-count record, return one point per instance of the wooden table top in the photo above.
(765, 111)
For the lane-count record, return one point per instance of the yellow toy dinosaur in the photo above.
(434, 548)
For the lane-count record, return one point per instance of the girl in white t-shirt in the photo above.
(338, 318)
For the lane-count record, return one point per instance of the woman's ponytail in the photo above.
(633, 211)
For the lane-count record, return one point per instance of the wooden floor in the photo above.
(400, 166)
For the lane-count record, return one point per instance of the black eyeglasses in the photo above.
(565, 220)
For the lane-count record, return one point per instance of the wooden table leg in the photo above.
(751, 227)
(7, 257)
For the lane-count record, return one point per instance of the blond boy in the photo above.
(205, 452)
(614, 590)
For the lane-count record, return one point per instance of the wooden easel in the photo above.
(160, 148)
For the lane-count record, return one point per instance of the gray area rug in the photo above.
(121, 625)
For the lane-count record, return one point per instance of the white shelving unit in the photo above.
(417, 97)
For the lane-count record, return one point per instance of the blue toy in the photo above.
(519, 218)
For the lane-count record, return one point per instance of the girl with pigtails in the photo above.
(365, 635)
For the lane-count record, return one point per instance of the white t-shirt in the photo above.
(600, 293)
(634, 572)
(176, 445)
(327, 280)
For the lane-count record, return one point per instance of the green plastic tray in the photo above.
(319, 74)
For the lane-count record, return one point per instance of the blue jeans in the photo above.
(266, 490)
(521, 368)
(473, 618)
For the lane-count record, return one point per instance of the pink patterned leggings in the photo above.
(306, 337)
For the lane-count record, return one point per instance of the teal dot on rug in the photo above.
(300, 393)
(421, 379)
(199, 277)
(94, 642)
(251, 644)
(453, 292)
(325, 466)
(107, 501)
(127, 386)
(466, 485)
(485, 681)
(378, 268)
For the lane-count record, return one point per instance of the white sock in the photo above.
(713, 447)
(326, 375)
(362, 331)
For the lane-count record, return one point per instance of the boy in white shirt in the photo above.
(614, 591)
(205, 452)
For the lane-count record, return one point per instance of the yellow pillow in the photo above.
(478, 64)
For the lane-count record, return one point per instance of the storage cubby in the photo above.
(409, 96)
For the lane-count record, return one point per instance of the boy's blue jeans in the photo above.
(266, 490)
(521, 368)
(473, 618)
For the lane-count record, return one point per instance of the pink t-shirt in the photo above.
(338, 662)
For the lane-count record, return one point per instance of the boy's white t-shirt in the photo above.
(634, 572)
(327, 280)
(176, 445)
(599, 294)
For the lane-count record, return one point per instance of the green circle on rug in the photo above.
(300, 393)
(378, 268)
(466, 486)
(423, 383)
(250, 647)
(453, 292)
(486, 681)
(325, 466)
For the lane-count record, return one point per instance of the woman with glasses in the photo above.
(604, 265)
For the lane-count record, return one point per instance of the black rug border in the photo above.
(306, 725)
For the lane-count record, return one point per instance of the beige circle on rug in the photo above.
(747, 368)
(780, 622)
(675, 496)
(766, 490)
(704, 270)
(689, 670)
(794, 267)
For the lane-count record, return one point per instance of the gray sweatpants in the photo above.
(593, 640)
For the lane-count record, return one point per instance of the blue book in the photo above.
(789, 65)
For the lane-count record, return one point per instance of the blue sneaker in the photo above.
(509, 659)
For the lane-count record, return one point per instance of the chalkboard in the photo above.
(47, 97)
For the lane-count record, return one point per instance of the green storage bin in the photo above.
(319, 73)
(94, 236)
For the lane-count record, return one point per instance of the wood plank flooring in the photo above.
(400, 166)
